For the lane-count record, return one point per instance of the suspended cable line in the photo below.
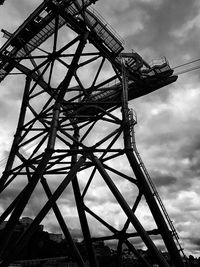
(191, 68)
(193, 61)
(187, 70)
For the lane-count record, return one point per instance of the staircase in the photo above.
(133, 121)
(41, 24)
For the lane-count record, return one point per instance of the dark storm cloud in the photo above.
(169, 16)
(195, 241)
(192, 245)
(163, 180)
(155, 20)
(37, 200)
(7, 196)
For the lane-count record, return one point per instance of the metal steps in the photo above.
(155, 193)
(40, 25)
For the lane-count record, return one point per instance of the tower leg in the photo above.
(75, 252)
(84, 223)
(17, 136)
(24, 238)
(81, 212)
(130, 214)
(162, 226)
(144, 186)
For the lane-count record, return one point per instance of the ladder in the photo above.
(132, 122)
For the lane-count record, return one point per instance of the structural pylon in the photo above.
(75, 132)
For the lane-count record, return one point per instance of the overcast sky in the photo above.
(168, 127)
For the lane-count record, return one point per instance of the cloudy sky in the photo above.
(168, 127)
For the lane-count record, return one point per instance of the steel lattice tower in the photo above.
(71, 133)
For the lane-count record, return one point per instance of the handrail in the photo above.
(107, 25)
(154, 190)
(43, 17)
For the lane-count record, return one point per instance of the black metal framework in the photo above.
(70, 135)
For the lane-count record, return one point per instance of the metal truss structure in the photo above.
(72, 139)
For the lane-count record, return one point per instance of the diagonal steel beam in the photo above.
(133, 219)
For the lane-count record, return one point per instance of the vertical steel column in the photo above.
(157, 215)
(156, 212)
(22, 202)
(76, 254)
(17, 136)
(81, 211)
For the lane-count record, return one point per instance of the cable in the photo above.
(187, 70)
(193, 61)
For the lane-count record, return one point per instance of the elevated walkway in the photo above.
(104, 31)
(157, 68)
(156, 74)
(40, 25)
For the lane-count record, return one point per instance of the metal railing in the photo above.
(154, 190)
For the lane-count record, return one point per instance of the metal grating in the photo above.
(34, 31)
(104, 31)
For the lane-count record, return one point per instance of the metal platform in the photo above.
(40, 25)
